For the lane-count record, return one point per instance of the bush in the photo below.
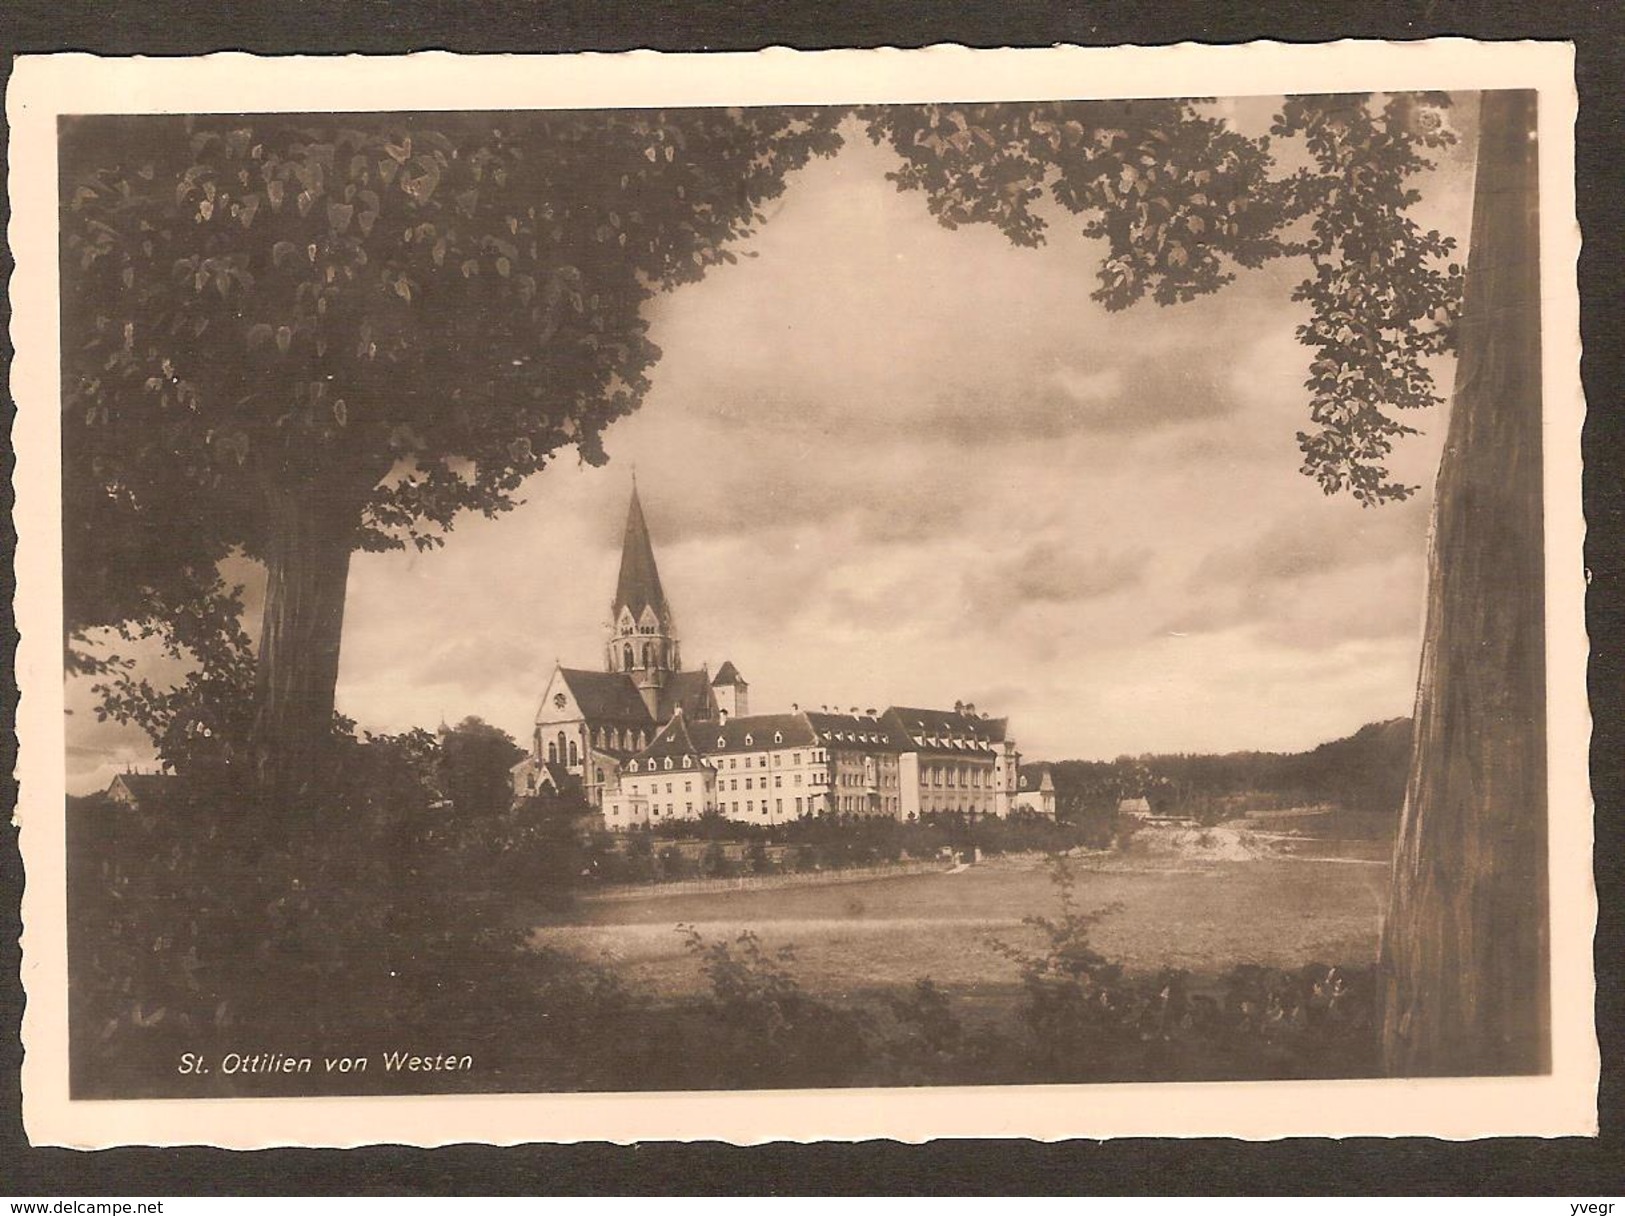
(762, 1030)
(757, 860)
(715, 862)
(191, 924)
(675, 864)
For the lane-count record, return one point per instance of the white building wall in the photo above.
(771, 785)
(670, 794)
(908, 783)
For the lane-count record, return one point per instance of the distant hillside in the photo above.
(1364, 772)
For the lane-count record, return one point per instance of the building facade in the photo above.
(650, 742)
(1035, 789)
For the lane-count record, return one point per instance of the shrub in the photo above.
(764, 1031)
(715, 862)
(388, 916)
(757, 860)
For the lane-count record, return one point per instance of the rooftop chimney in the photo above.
(959, 707)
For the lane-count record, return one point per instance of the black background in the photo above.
(1573, 1167)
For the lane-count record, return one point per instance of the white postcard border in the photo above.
(44, 87)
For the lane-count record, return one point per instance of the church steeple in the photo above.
(639, 585)
(642, 642)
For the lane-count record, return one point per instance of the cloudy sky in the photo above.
(883, 462)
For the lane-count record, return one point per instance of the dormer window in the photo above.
(749, 741)
(633, 767)
(778, 736)
(668, 764)
(688, 761)
(721, 742)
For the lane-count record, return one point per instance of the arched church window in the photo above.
(626, 655)
(561, 745)
(648, 655)
(575, 755)
(552, 753)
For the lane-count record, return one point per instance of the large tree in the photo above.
(1181, 200)
(299, 336)
(1465, 952)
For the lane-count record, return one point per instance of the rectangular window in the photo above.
(778, 806)
(798, 806)
(749, 806)
(668, 787)
(798, 779)
(747, 783)
(796, 759)
(688, 787)
(688, 808)
(778, 781)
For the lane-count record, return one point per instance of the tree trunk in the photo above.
(307, 558)
(1465, 959)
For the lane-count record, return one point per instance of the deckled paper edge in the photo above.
(1563, 1103)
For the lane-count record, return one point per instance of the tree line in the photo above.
(1365, 772)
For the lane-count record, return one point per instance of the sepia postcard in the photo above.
(790, 596)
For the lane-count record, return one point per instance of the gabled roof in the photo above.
(1037, 776)
(674, 740)
(791, 730)
(728, 674)
(563, 779)
(944, 730)
(152, 789)
(606, 696)
(856, 732)
(639, 584)
(689, 691)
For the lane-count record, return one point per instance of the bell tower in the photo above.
(642, 642)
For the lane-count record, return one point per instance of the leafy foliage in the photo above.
(767, 1031)
(1182, 199)
(1380, 301)
(476, 758)
(1364, 772)
(394, 318)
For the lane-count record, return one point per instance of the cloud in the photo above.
(883, 461)
(1302, 545)
(1049, 572)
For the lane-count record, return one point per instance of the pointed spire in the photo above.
(639, 583)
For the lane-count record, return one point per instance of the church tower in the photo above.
(641, 642)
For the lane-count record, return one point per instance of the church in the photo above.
(646, 741)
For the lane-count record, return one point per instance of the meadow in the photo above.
(1287, 906)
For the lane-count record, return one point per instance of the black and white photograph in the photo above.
(979, 590)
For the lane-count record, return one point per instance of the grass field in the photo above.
(856, 938)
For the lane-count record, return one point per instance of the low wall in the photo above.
(762, 882)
